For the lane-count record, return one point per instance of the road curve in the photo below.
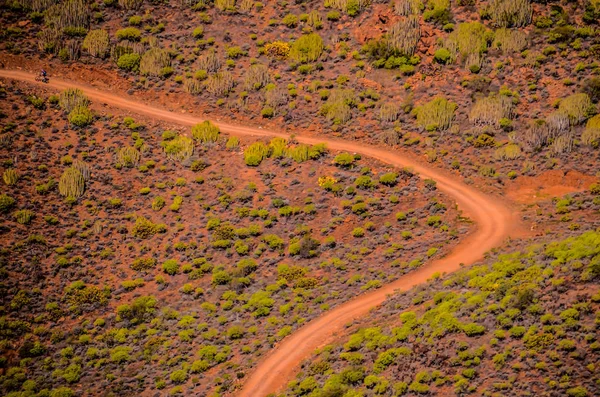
(493, 219)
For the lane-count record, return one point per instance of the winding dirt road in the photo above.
(494, 221)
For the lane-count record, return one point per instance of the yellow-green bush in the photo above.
(436, 114)
(256, 153)
(437, 11)
(72, 98)
(509, 152)
(129, 33)
(277, 49)
(144, 228)
(154, 61)
(225, 5)
(81, 116)
(307, 48)
(278, 148)
(96, 43)
(6, 203)
(71, 183)
(205, 132)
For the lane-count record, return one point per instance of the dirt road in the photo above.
(494, 221)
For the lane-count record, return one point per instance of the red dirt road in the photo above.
(494, 221)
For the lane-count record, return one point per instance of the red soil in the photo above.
(494, 223)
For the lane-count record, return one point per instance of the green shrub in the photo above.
(81, 116)
(132, 34)
(198, 32)
(205, 132)
(256, 153)
(389, 179)
(6, 203)
(307, 48)
(144, 228)
(437, 11)
(129, 62)
(344, 159)
(473, 329)
(171, 267)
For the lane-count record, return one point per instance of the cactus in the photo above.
(225, 5)
(10, 176)
(68, 14)
(578, 107)
(24, 216)
(127, 157)
(71, 183)
(408, 7)
(389, 112)
(83, 168)
(209, 61)
(257, 76)
(72, 98)
(510, 41)
(180, 148)
(130, 4)
(436, 114)
(96, 43)
(510, 13)
(489, 111)
(154, 60)
(591, 134)
(404, 36)
(220, 83)
(192, 86)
